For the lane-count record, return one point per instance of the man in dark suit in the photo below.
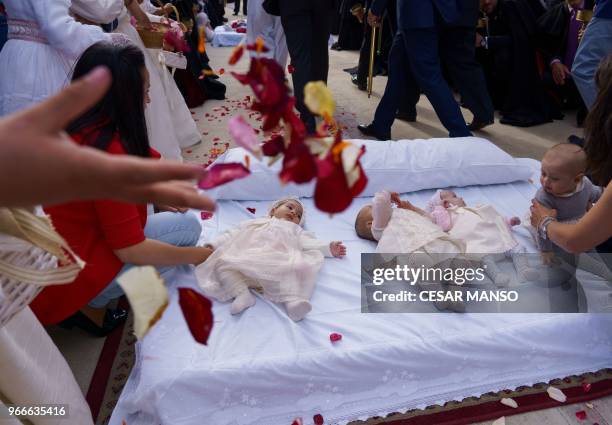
(458, 53)
(420, 25)
(307, 25)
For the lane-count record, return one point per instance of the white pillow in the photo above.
(399, 166)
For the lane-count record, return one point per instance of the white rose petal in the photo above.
(500, 421)
(589, 405)
(510, 402)
(147, 294)
(556, 394)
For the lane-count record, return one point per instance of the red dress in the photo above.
(93, 229)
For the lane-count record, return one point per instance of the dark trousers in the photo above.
(401, 91)
(459, 54)
(237, 6)
(421, 46)
(3, 30)
(307, 32)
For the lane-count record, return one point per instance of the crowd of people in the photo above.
(513, 56)
(82, 131)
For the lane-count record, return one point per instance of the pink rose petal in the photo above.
(244, 135)
(334, 337)
(220, 174)
(206, 215)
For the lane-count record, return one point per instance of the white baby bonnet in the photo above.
(289, 198)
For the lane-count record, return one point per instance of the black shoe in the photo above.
(368, 130)
(360, 85)
(581, 115)
(113, 318)
(406, 116)
(479, 125)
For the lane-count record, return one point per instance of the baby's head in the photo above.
(289, 209)
(363, 223)
(444, 198)
(563, 167)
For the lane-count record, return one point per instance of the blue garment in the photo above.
(3, 30)
(173, 228)
(421, 13)
(595, 45)
(604, 9)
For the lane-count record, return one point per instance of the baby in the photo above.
(484, 231)
(565, 188)
(273, 254)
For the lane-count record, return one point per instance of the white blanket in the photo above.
(262, 368)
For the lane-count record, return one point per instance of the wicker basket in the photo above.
(154, 39)
(29, 253)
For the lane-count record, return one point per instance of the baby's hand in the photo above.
(405, 205)
(514, 221)
(337, 249)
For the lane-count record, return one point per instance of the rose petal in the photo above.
(500, 421)
(243, 134)
(274, 146)
(298, 164)
(510, 402)
(148, 297)
(297, 421)
(251, 210)
(318, 419)
(290, 69)
(589, 405)
(334, 337)
(586, 387)
(197, 310)
(220, 174)
(236, 54)
(581, 415)
(221, 71)
(319, 99)
(206, 215)
(556, 394)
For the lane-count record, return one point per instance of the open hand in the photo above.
(60, 171)
(373, 20)
(337, 249)
(405, 205)
(560, 72)
(170, 208)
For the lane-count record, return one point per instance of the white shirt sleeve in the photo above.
(381, 213)
(62, 31)
(98, 11)
(310, 242)
(224, 237)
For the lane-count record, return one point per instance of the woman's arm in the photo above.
(592, 229)
(156, 253)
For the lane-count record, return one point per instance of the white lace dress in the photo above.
(275, 255)
(44, 43)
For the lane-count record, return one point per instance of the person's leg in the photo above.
(458, 51)
(297, 28)
(244, 7)
(422, 50)
(398, 83)
(321, 25)
(595, 45)
(236, 7)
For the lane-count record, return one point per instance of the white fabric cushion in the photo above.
(399, 166)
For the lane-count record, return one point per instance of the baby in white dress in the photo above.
(273, 254)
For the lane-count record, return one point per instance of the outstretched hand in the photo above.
(373, 20)
(40, 164)
(337, 249)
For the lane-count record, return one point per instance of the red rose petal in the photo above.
(318, 419)
(290, 69)
(206, 215)
(581, 415)
(586, 387)
(334, 337)
(197, 310)
(251, 210)
(220, 174)
(221, 71)
(297, 421)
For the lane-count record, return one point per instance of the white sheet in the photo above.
(262, 368)
(225, 37)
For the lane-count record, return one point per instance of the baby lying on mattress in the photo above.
(273, 254)
(449, 227)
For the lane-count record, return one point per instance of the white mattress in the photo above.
(262, 368)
